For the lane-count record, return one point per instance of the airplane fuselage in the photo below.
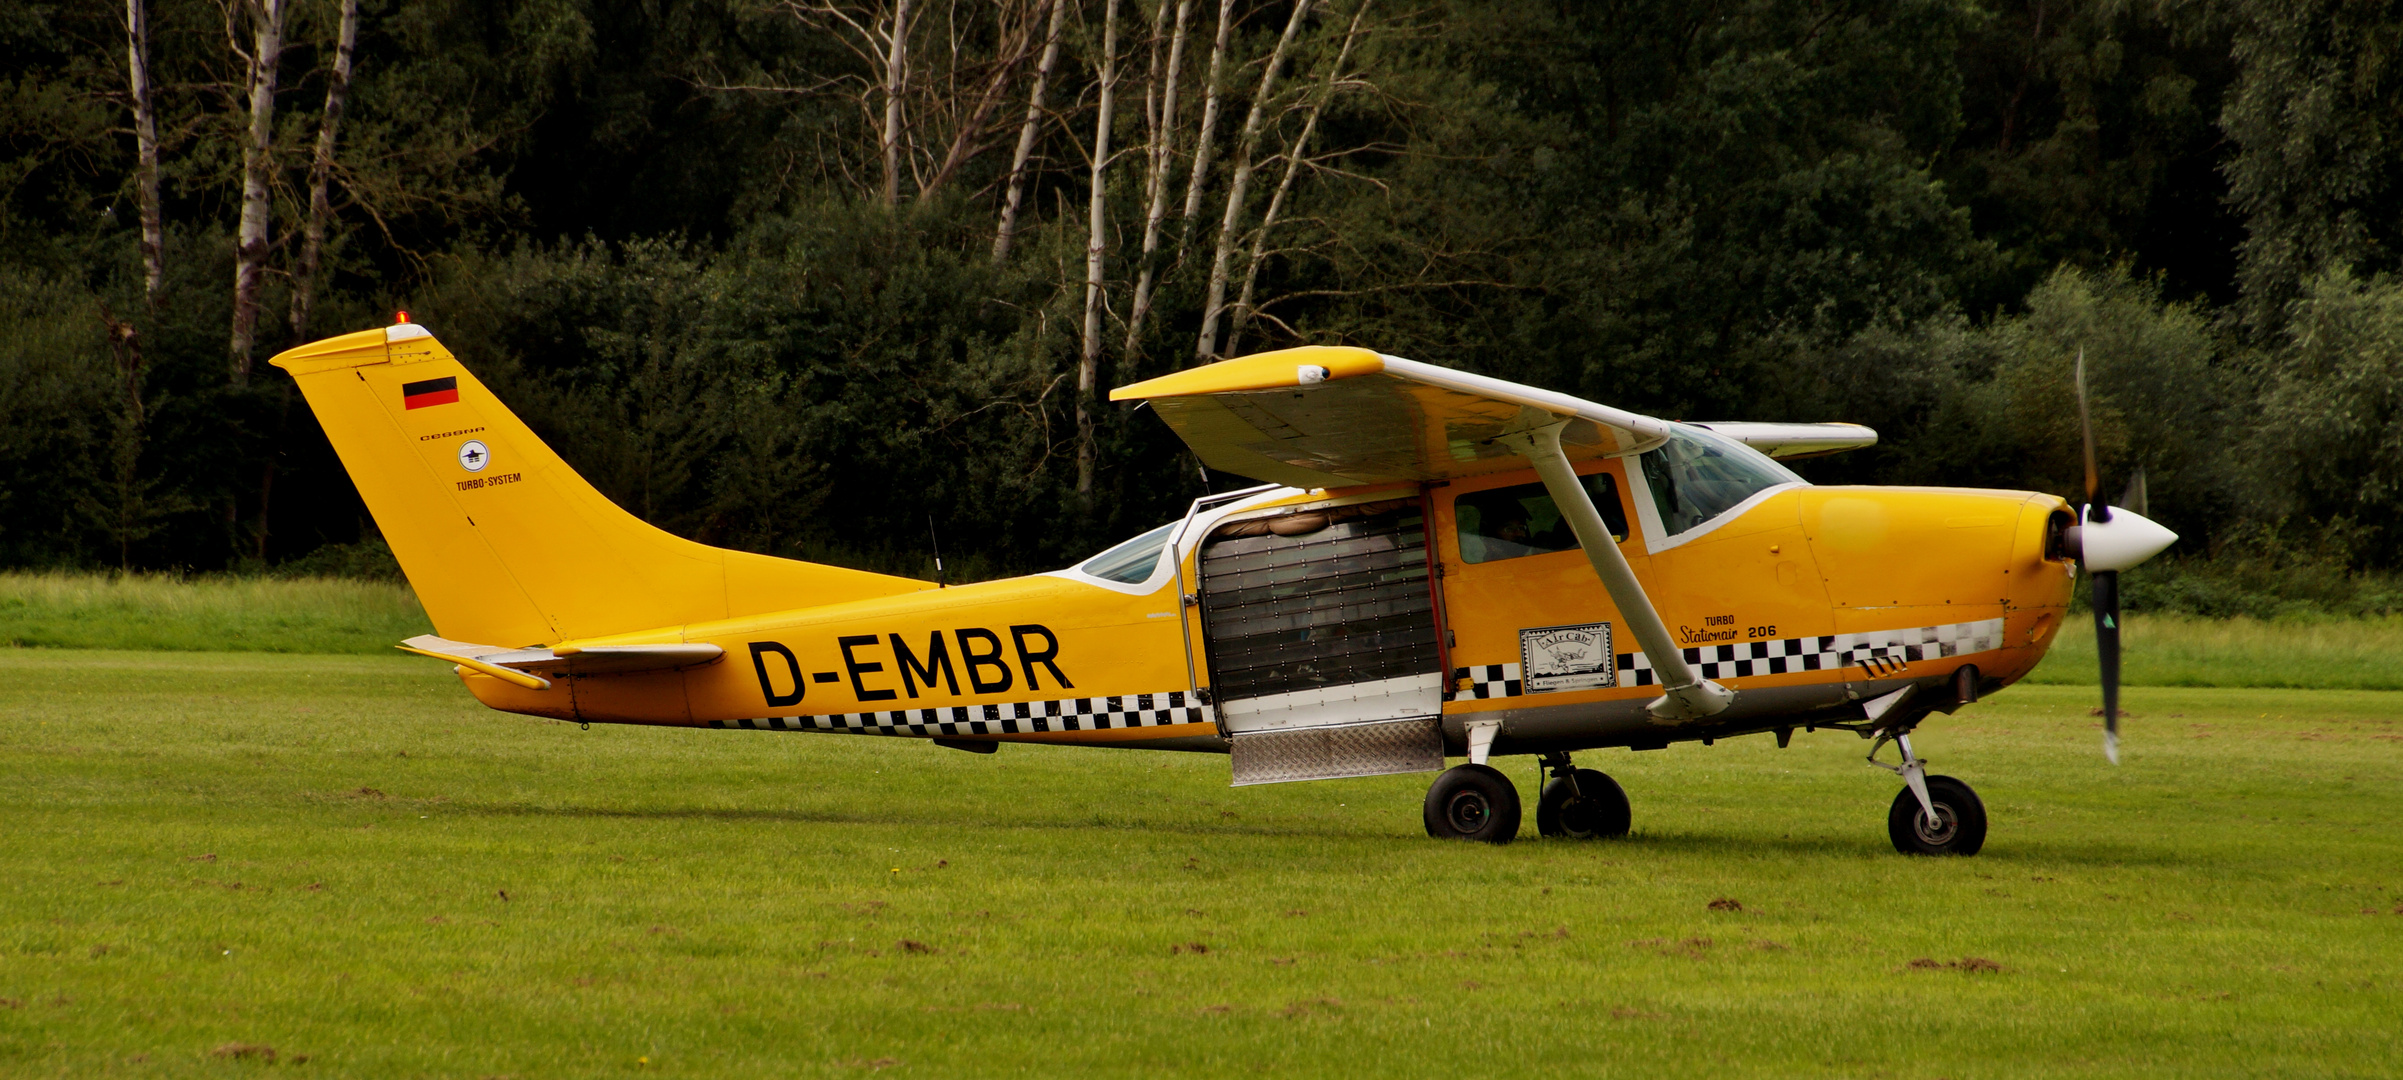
(1805, 600)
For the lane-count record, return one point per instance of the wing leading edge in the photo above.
(1326, 417)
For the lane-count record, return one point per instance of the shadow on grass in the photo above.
(893, 819)
(1868, 845)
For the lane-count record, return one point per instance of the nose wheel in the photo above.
(1957, 826)
(1473, 802)
(1931, 815)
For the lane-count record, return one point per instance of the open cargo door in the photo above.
(1323, 642)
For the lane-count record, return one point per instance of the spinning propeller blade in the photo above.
(2106, 649)
(2107, 544)
(2094, 480)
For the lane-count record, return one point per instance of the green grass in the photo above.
(310, 853)
(331, 615)
(146, 611)
(2159, 649)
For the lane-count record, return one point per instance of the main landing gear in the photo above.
(1476, 802)
(1932, 815)
(1580, 804)
(1473, 802)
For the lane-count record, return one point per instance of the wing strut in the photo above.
(1688, 695)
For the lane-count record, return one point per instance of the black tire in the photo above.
(1473, 802)
(1594, 806)
(1960, 816)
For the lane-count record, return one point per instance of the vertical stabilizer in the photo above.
(503, 542)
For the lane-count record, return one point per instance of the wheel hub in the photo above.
(1939, 832)
(1468, 811)
(1577, 817)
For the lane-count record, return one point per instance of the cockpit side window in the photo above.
(1132, 562)
(1513, 522)
(1697, 476)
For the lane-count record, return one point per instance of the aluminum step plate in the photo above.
(1400, 746)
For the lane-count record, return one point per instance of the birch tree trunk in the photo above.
(250, 238)
(1206, 347)
(146, 149)
(1294, 156)
(1088, 366)
(1151, 95)
(896, 72)
(321, 174)
(1156, 197)
(1207, 140)
(1026, 135)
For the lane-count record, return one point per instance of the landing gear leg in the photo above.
(1579, 804)
(1932, 815)
(1473, 802)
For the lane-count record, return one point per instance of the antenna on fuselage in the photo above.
(935, 542)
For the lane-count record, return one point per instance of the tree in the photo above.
(260, 64)
(1088, 367)
(1028, 130)
(2332, 419)
(1205, 348)
(2319, 146)
(146, 142)
(321, 173)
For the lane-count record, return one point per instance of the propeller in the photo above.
(2107, 542)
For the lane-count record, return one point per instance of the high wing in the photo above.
(527, 667)
(1324, 417)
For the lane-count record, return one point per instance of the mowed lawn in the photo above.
(345, 858)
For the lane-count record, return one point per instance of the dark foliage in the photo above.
(659, 231)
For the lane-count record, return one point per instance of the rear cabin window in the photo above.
(1514, 522)
(1131, 562)
(1697, 476)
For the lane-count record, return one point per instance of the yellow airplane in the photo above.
(1438, 564)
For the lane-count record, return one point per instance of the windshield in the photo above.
(1697, 476)
(1131, 562)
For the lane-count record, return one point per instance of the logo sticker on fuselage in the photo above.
(473, 455)
(1578, 657)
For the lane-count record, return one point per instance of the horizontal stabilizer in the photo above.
(566, 659)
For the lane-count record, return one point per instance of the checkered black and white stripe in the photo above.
(1487, 681)
(1016, 718)
(1882, 651)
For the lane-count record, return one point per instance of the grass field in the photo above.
(153, 611)
(321, 615)
(2182, 650)
(345, 858)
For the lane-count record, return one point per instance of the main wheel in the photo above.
(1594, 806)
(1959, 828)
(1473, 802)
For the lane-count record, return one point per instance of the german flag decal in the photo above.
(418, 395)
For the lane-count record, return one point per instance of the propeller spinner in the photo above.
(2107, 541)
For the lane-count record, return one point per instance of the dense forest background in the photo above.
(833, 279)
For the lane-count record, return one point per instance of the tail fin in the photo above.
(503, 542)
